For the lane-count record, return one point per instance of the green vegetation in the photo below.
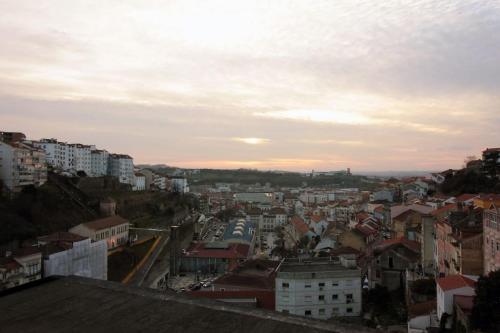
(387, 307)
(285, 179)
(424, 287)
(39, 211)
(485, 314)
(469, 181)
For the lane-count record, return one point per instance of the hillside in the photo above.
(62, 203)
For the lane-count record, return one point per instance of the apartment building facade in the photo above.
(122, 167)
(21, 164)
(320, 288)
(491, 239)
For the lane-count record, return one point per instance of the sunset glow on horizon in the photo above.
(323, 85)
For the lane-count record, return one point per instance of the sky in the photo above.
(288, 85)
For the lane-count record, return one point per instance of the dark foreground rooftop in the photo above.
(82, 305)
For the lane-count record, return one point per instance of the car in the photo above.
(207, 284)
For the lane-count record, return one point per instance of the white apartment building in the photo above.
(99, 163)
(319, 287)
(160, 182)
(180, 185)
(67, 157)
(67, 254)
(21, 164)
(113, 229)
(122, 167)
(139, 182)
(83, 159)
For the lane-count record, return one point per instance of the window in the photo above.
(321, 297)
(285, 285)
(321, 284)
(307, 298)
(335, 283)
(335, 297)
(391, 262)
(321, 311)
(348, 298)
(307, 285)
(335, 311)
(348, 310)
(307, 312)
(286, 311)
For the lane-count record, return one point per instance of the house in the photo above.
(448, 287)
(67, 254)
(20, 267)
(390, 259)
(213, 257)
(405, 218)
(21, 165)
(459, 242)
(320, 288)
(491, 239)
(299, 229)
(113, 229)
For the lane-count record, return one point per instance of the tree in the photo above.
(469, 159)
(486, 310)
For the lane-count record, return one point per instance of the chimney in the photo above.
(174, 251)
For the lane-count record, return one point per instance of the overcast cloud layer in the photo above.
(294, 85)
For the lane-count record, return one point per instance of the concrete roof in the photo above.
(75, 304)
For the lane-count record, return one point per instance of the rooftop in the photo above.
(105, 223)
(75, 304)
(451, 282)
(312, 265)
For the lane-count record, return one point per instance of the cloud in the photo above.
(335, 83)
(252, 141)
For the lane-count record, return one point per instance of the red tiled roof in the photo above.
(344, 250)
(412, 245)
(106, 222)
(466, 197)
(61, 236)
(451, 282)
(361, 216)
(366, 231)
(489, 197)
(9, 263)
(316, 218)
(444, 209)
(300, 225)
(233, 251)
